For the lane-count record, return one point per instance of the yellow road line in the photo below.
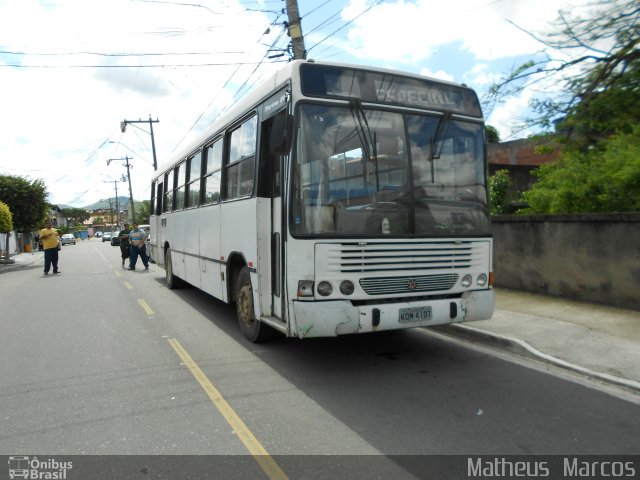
(145, 306)
(255, 448)
(128, 285)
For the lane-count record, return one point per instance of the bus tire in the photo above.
(173, 282)
(251, 327)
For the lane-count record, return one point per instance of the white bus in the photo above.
(334, 199)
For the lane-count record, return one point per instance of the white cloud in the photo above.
(411, 31)
(62, 116)
(441, 74)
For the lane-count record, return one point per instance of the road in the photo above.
(99, 360)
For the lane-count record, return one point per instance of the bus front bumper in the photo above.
(340, 317)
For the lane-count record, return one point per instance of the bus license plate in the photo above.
(415, 314)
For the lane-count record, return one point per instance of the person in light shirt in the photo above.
(49, 237)
(138, 248)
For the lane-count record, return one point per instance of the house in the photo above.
(520, 157)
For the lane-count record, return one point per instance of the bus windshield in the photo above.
(362, 172)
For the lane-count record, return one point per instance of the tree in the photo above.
(76, 215)
(499, 185)
(6, 225)
(493, 136)
(597, 83)
(605, 180)
(26, 199)
(143, 212)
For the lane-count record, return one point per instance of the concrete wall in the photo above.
(590, 257)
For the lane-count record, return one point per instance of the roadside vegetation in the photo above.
(593, 118)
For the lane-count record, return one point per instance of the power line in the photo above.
(160, 65)
(346, 24)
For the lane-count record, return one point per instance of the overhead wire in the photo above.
(273, 23)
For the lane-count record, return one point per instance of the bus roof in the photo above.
(266, 88)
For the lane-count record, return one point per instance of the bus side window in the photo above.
(211, 173)
(242, 154)
(152, 204)
(159, 198)
(180, 185)
(192, 179)
(168, 192)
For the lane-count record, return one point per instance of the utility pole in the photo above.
(295, 31)
(115, 183)
(123, 128)
(126, 159)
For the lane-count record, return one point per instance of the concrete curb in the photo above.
(523, 349)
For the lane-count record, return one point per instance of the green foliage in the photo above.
(499, 186)
(6, 223)
(594, 92)
(26, 199)
(493, 136)
(608, 112)
(598, 180)
(76, 215)
(143, 212)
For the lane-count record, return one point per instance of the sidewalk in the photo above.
(596, 340)
(599, 341)
(21, 260)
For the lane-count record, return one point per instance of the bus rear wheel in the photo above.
(173, 282)
(251, 327)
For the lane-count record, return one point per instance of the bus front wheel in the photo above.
(250, 326)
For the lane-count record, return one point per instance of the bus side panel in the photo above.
(155, 246)
(210, 266)
(191, 241)
(239, 236)
(300, 265)
(176, 226)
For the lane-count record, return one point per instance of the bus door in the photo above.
(270, 225)
(156, 233)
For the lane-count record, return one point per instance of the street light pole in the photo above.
(123, 128)
(126, 159)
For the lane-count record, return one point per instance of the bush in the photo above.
(499, 185)
(602, 180)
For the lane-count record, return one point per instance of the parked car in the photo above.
(67, 239)
(106, 237)
(115, 239)
(98, 234)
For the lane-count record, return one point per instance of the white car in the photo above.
(67, 239)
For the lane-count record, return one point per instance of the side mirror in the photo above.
(281, 134)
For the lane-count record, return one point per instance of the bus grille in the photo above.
(394, 257)
(398, 285)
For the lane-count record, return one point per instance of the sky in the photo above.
(72, 70)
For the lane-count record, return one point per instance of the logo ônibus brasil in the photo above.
(33, 468)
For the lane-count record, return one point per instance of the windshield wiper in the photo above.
(367, 138)
(437, 142)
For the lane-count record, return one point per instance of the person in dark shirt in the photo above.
(124, 243)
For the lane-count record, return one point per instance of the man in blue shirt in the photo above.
(138, 247)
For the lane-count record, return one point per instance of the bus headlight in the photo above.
(466, 281)
(305, 288)
(481, 281)
(325, 289)
(346, 287)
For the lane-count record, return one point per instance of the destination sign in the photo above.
(376, 87)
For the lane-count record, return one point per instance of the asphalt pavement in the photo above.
(599, 341)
